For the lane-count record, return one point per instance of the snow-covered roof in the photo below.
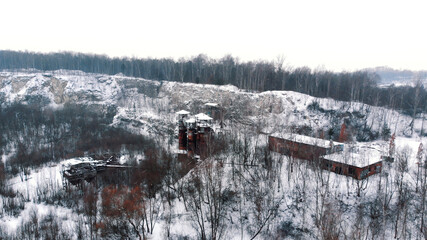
(357, 156)
(305, 139)
(182, 112)
(211, 104)
(190, 120)
(74, 161)
(202, 117)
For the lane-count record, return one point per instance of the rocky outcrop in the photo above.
(57, 87)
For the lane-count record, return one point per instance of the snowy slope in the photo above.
(143, 101)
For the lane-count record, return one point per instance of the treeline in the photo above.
(36, 136)
(260, 75)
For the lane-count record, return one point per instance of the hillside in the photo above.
(140, 99)
(287, 199)
(391, 76)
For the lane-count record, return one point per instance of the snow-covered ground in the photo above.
(148, 107)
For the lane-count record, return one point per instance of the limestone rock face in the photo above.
(18, 84)
(57, 87)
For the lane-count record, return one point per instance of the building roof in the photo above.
(360, 156)
(202, 117)
(190, 120)
(73, 161)
(182, 112)
(305, 139)
(211, 104)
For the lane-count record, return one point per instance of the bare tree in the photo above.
(90, 198)
(330, 222)
(206, 199)
(417, 97)
(419, 164)
(123, 207)
(422, 199)
(402, 191)
(265, 200)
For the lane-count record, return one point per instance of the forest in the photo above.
(360, 86)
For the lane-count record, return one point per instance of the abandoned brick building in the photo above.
(302, 147)
(358, 163)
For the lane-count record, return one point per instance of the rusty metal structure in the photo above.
(182, 130)
(87, 169)
(194, 134)
(81, 171)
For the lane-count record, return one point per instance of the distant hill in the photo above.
(397, 77)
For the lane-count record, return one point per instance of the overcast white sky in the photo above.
(336, 35)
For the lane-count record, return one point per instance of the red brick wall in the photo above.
(294, 149)
(203, 142)
(370, 170)
(182, 139)
(350, 170)
(191, 148)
